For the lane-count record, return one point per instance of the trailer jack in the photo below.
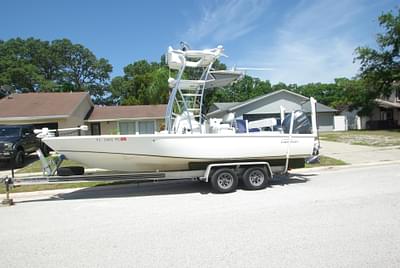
(8, 182)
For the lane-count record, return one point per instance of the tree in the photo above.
(16, 67)
(142, 83)
(343, 94)
(353, 95)
(380, 68)
(325, 93)
(78, 69)
(29, 65)
(242, 90)
(147, 83)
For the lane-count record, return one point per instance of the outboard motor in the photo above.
(301, 123)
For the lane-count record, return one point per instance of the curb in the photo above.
(338, 167)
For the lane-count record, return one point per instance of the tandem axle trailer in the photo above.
(223, 176)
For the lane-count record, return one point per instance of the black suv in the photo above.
(16, 142)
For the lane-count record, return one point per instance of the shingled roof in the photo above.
(40, 105)
(114, 113)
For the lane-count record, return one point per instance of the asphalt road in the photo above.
(336, 218)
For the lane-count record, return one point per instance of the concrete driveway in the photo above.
(359, 154)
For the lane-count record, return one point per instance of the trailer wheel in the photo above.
(255, 178)
(69, 171)
(224, 180)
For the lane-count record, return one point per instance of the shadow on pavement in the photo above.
(158, 188)
(139, 189)
(291, 178)
(29, 159)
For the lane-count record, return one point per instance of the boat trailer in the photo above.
(223, 176)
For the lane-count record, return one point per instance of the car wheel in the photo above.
(19, 159)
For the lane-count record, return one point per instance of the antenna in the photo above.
(245, 69)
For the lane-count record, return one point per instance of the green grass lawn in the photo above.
(379, 138)
(55, 186)
(326, 161)
(37, 167)
(52, 186)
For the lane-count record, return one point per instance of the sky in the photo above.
(301, 41)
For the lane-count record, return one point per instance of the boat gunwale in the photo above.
(188, 136)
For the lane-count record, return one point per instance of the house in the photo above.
(143, 119)
(66, 110)
(386, 114)
(268, 106)
(52, 110)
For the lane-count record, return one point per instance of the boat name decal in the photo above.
(111, 139)
(287, 141)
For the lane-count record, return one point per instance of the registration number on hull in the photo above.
(119, 139)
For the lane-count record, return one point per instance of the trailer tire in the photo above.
(69, 171)
(224, 180)
(255, 178)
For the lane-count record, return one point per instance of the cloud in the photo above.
(300, 61)
(223, 21)
(315, 43)
(304, 41)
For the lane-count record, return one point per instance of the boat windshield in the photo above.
(9, 131)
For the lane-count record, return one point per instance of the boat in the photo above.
(190, 139)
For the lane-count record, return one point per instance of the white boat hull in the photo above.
(168, 152)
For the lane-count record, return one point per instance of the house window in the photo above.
(95, 128)
(389, 114)
(127, 128)
(146, 127)
(132, 127)
(383, 115)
